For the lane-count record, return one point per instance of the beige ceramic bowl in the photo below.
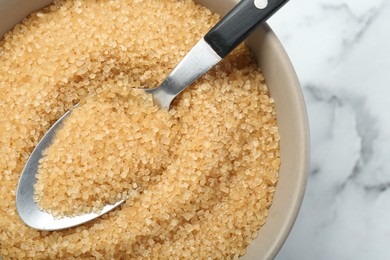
(291, 116)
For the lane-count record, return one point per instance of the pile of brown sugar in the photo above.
(201, 176)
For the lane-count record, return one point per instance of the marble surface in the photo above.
(341, 52)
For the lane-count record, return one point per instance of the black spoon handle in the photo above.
(239, 23)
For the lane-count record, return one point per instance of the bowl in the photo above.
(291, 118)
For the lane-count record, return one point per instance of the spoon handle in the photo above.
(239, 23)
(214, 46)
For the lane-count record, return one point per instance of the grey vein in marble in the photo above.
(341, 51)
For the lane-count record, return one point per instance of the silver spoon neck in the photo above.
(197, 62)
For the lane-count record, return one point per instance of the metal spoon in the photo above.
(213, 47)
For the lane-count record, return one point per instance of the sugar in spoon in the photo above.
(212, 48)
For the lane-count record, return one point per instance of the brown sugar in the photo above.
(200, 177)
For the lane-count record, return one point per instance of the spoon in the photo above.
(212, 48)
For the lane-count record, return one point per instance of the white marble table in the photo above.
(341, 52)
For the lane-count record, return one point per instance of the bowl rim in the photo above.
(297, 128)
(293, 125)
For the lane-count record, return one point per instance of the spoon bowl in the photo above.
(28, 209)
